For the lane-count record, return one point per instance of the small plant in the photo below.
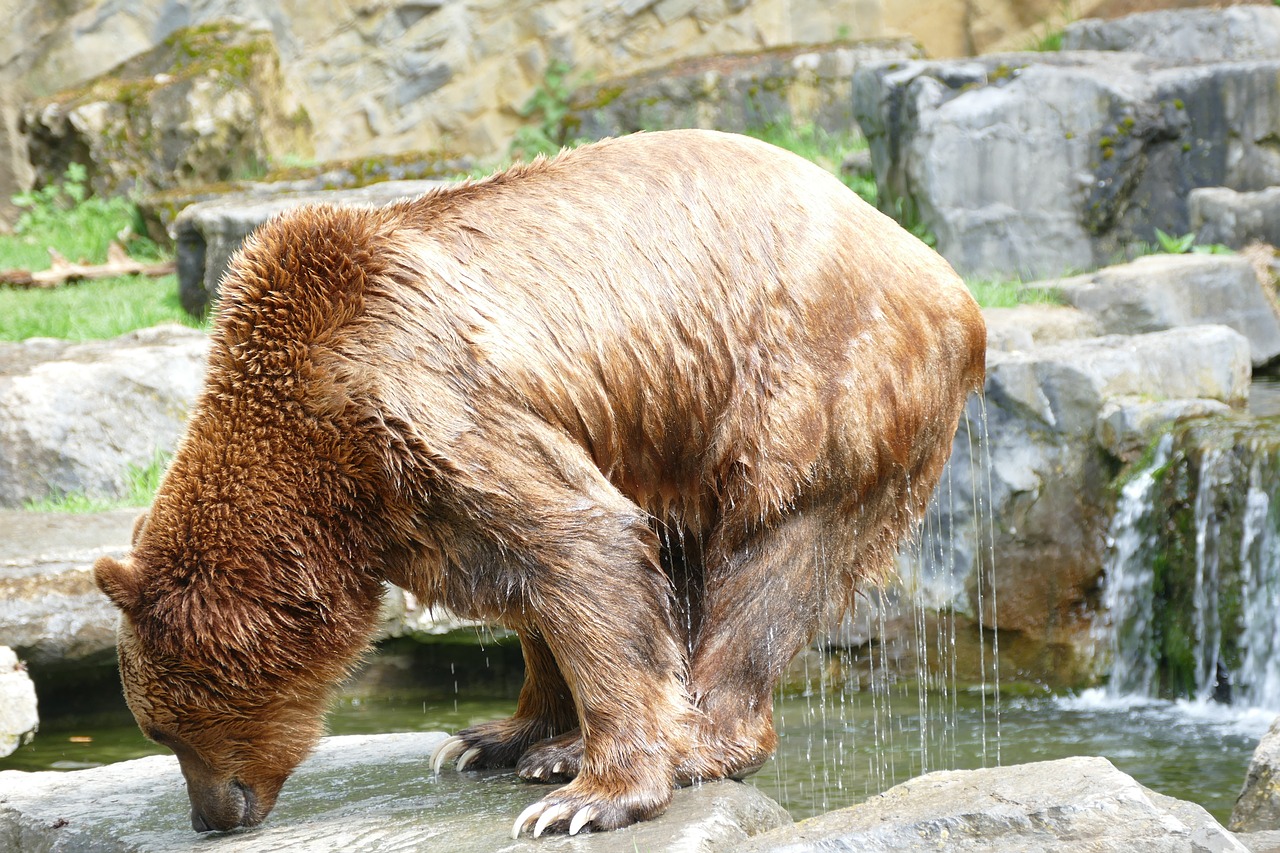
(1187, 244)
(549, 107)
(1008, 294)
(65, 217)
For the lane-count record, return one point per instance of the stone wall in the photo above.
(395, 75)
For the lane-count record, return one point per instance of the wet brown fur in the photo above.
(657, 404)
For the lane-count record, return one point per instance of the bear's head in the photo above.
(228, 667)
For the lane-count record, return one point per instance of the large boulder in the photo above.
(1258, 808)
(76, 417)
(1038, 164)
(208, 104)
(1060, 806)
(1168, 291)
(1184, 36)
(208, 233)
(370, 793)
(18, 716)
(797, 86)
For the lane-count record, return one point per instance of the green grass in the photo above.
(80, 228)
(826, 149)
(141, 483)
(1008, 294)
(92, 310)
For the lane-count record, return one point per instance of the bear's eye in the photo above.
(162, 738)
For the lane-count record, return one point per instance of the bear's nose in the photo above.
(235, 809)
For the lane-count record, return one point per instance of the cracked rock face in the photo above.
(1034, 164)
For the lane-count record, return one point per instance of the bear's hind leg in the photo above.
(766, 594)
(544, 710)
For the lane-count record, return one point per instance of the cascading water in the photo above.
(1193, 579)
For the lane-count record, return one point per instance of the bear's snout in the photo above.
(225, 809)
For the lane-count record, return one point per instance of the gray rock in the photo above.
(18, 717)
(1258, 808)
(1170, 291)
(53, 613)
(75, 417)
(1027, 326)
(1037, 165)
(1127, 425)
(49, 607)
(369, 793)
(1260, 842)
(1042, 510)
(1049, 807)
(1235, 219)
(1234, 34)
(1061, 388)
(795, 86)
(208, 233)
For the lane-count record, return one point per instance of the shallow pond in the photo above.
(836, 747)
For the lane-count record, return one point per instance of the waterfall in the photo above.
(1128, 594)
(1192, 580)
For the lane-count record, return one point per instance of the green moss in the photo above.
(1106, 142)
(1178, 104)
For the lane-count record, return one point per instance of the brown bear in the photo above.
(656, 404)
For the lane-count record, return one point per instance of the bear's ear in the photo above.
(120, 581)
(139, 525)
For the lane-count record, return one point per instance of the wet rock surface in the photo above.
(1068, 805)
(370, 793)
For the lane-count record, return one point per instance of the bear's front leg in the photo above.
(603, 605)
(617, 650)
(545, 709)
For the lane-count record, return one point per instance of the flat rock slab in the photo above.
(1048, 807)
(50, 609)
(371, 793)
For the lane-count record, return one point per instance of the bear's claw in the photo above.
(447, 749)
(550, 813)
(467, 758)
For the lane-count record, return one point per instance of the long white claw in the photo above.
(550, 816)
(526, 816)
(581, 819)
(467, 758)
(559, 766)
(448, 748)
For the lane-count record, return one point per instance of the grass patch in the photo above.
(141, 483)
(81, 227)
(1009, 294)
(826, 149)
(92, 310)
